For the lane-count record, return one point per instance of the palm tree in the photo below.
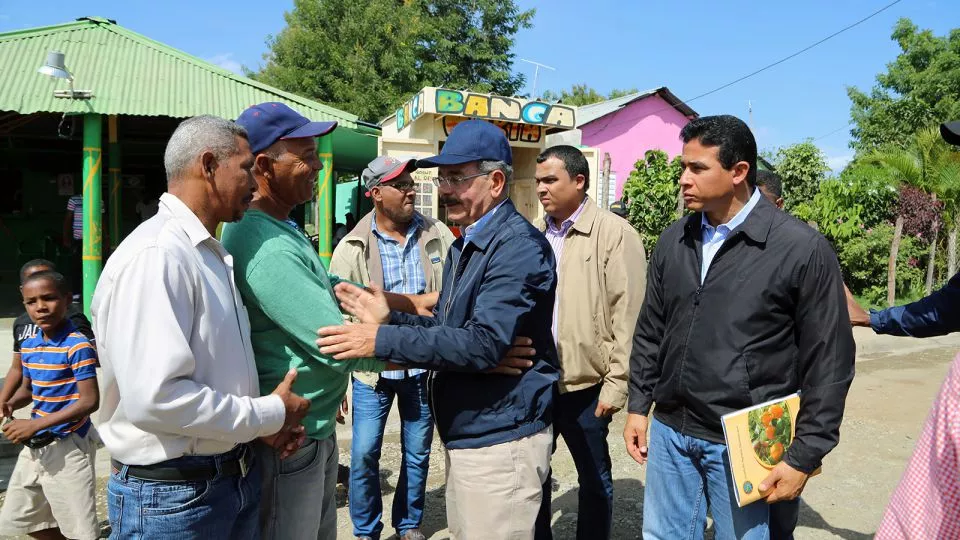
(948, 185)
(932, 166)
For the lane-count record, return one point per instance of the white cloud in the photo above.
(837, 163)
(227, 62)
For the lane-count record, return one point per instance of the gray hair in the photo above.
(488, 167)
(275, 150)
(194, 136)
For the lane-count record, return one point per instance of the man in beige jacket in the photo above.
(602, 271)
(398, 250)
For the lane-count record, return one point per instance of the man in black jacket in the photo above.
(744, 304)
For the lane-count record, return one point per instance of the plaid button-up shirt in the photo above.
(402, 272)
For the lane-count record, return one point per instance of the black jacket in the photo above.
(769, 319)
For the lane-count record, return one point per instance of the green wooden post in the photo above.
(92, 206)
(325, 199)
(113, 159)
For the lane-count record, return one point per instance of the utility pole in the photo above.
(604, 198)
(536, 75)
(750, 111)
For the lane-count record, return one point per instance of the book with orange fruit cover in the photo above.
(757, 439)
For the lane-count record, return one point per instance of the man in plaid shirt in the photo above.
(399, 250)
(926, 504)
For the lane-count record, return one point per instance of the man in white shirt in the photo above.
(180, 391)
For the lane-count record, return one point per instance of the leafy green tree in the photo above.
(651, 195)
(620, 92)
(469, 43)
(802, 167)
(580, 94)
(864, 259)
(920, 88)
(933, 167)
(862, 198)
(368, 56)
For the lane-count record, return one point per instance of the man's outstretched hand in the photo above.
(348, 342)
(367, 305)
(858, 315)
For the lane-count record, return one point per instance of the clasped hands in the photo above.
(371, 309)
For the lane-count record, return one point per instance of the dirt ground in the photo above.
(896, 381)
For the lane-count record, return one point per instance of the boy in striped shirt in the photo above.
(52, 490)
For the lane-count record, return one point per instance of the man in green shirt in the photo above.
(289, 296)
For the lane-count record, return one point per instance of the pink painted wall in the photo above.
(650, 123)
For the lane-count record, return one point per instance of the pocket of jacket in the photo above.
(600, 359)
(764, 377)
(744, 373)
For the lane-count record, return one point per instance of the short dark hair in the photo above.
(573, 161)
(772, 182)
(731, 135)
(60, 282)
(33, 263)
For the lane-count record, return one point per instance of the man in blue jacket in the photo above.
(498, 283)
(934, 315)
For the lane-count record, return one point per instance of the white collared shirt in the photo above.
(178, 373)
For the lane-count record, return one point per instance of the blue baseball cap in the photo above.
(270, 122)
(473, 140)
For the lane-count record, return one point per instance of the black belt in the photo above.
(236, 462)
(39, 441)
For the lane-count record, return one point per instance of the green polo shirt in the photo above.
(288, 296)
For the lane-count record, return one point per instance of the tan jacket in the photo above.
(357, 258)
(603, 276)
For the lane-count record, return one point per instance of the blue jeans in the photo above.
(225, 507)
(685, 475)
(586, 437)
(370, 409)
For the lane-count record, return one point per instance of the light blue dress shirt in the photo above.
(713, 237)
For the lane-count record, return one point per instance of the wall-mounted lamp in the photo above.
(56, 68)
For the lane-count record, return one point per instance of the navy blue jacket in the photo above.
(498, 286)
(934, 315)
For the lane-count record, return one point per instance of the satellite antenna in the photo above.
(536, 74)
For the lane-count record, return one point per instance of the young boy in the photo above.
(52, 489)
(24, 328)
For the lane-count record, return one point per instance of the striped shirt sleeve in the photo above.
(83, 360)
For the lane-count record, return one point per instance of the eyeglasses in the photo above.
(402, 186)
(440, 181)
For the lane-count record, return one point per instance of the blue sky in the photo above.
(690, 47)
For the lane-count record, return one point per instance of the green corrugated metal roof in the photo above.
(131, 74)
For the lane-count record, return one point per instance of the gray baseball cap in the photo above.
(384, 169)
